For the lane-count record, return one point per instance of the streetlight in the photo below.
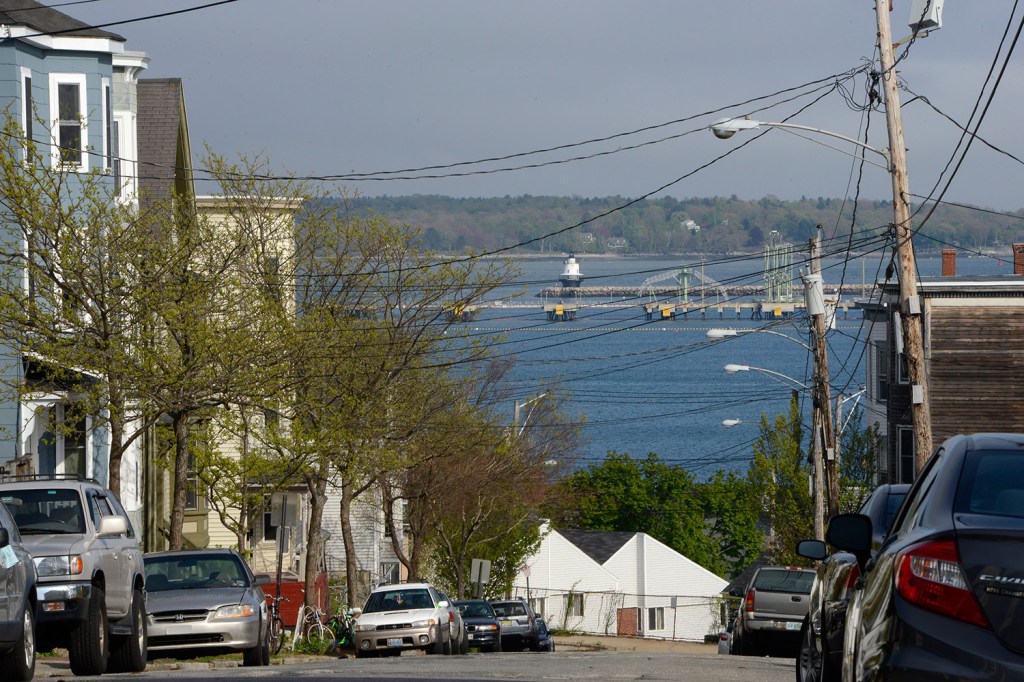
(895, 156)
(777, 376)
(725, 128)
(718, 334)
(819, 473)
(516, 429)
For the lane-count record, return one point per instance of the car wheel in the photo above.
(88, 648)
(464, 644)
(128, 653)
(446, 646)
(809, 658)
(19, 664)
(254, 656)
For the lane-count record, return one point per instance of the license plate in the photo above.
(179, 629)
(395, 642)
(506, 623)
(793, 626)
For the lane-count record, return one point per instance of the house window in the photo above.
(28, 111)
(881, 367)
(108, 127)
(574, 604)
(192, 497)
(905, 454)
(68, 108)
(269, 528)
(656, 618)
(538, 605)
(390, 573)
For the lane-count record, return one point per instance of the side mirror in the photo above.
(5, 538)
(442, 604)
(812, 549)
(356, 612)
(851, 533)
(735, 593)
(261, 579)
(113, 525)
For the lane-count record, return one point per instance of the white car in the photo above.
(402, 617)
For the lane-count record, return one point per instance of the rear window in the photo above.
(507, 610)
(992, 483)
(784, 580)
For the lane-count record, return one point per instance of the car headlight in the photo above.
(365, 627)
(47, 566)
(235, 611)
(423, 623)
(486, 627)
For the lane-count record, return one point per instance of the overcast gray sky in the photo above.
(342, 86)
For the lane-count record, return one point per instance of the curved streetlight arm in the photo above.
(727, 127)
(717, 334)
(518, 430)
(784, 379)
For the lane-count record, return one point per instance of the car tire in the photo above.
(89, 645)
(463, 644)
(19, 664)
(447, 647)
(259, 654)
(128, 653)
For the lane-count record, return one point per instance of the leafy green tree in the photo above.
(778, 476)
(733, 522)
(860, 450)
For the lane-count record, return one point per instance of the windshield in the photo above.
(399, 600)
(476, 609)
(510, 609)
(45, 510)
(165, 573)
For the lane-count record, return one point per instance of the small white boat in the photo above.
(571, 276)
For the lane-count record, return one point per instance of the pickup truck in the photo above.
(774, 607)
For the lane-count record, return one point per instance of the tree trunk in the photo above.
(388, 499)
(177, 539)
(317, 487)
(117, 411)
(351, 567)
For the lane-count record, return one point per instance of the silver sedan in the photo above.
(206, 601)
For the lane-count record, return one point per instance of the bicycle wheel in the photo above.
(319, 635)
(276, 635)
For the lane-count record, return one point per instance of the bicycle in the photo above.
(309, 625)
(275, 624)
(342, 624)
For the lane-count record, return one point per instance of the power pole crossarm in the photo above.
(910, 304)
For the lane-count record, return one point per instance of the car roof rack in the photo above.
(4, 476)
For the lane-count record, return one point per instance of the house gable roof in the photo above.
(43, 19)
(599, 545)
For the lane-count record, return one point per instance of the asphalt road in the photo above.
(562, 666)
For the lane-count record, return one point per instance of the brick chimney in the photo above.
(949, 262)
(1018, 259)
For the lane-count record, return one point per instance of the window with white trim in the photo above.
(574, 604)
(108, 125)
(28, 109)
(68, 112)
(656, 618)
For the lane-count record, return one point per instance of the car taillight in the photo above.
(851, 577)
(748, 605)
(928, 575)
(451, 617)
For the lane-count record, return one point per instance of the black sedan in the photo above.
(481, 624)
(942, 597)
(821, 637)
(17, 610)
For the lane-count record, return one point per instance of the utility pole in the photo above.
(824, 434)
(910, 302)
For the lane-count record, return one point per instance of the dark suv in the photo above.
(90, 576)
(518, 624)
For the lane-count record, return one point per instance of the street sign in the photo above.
(480, 571)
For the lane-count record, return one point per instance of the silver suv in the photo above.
(518, 624)
(89, 588)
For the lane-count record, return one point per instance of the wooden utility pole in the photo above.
(910, 302)
(824, 433)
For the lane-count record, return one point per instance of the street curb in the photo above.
(47, 667)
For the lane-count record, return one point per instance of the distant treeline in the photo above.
(667, 225)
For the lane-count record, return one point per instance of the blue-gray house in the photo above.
(71, 87)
